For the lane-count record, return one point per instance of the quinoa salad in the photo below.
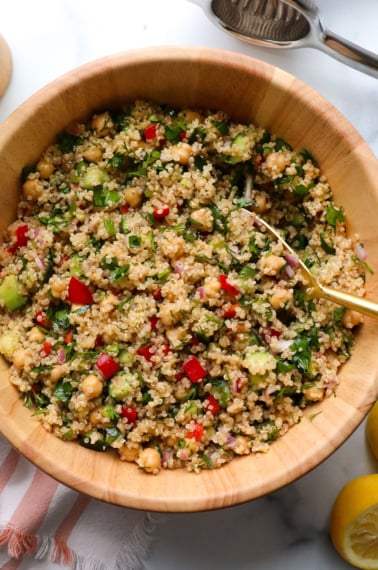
(145, 313)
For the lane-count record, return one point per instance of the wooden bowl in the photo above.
(249, 90)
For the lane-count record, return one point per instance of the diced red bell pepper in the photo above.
(182, 135)
(41, 319)
(194, 369)
(161, 213)
(157, 294)
(194, 341)
(153, 323)
(147, 351)
(21, 238)
(230, 311)
(46, 349)
(79, 293)
(129, 413)
(124, 209)
(67, 339)
(150, 132)
(107, 365)
(195, 432)
(179, 376)
(166, 350)
(226, 286)
(98, 342)
(211, 405)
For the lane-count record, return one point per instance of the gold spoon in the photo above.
(318, 290)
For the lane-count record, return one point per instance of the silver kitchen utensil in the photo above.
(286, 24)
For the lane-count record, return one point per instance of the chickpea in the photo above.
(211, 288)
(36, 335)
(102, 124)
(242, 446)
(129, 452)
(280, 297)
(91, 386)
(96, 417)
(133, 196)
(58, 372)
(351, 319)
(149, 459)
(272, 264)
(276, 162)
(202, 219)
(45, 167)
(32, 189)
(93, 154)
(180, 153)
(190, 115)
(261, 204)
(108, 303)
(19, 358)
(58, 287)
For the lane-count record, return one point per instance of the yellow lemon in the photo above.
(354, 522)
(372, 429)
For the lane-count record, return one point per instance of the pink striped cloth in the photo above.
(41, 519)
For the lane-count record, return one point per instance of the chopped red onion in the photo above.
(289, 271)
(231, 441)
(360, 251)
(61, 357)
(179, 268)
(201, 293)
(292, 260)
(37, 231)
(39, 262)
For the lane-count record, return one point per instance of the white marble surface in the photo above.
(287, 530)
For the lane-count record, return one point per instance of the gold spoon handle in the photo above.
(359, 304)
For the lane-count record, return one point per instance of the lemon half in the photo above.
(354, 522)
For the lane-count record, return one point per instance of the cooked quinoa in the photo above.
(145, 312)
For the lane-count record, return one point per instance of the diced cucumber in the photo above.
(241, 144)
(8, 344)
(122, 385)
(75, 266)
(94, 176)
(11, 293)
(260, 362)
(125, 357)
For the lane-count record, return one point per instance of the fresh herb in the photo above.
(173, 131)
(26, 171)
(102, 197)
(307, 155)
(110, 227)
(223, 128)
(221, 391)
(68, 143)
(134, 241)
(301, 190)
(334, 215)
(63, 391)
(327, 246)
(198, 134)
(200, 162)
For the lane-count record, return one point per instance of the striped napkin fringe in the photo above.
(43, 520)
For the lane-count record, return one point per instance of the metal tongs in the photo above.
(286, 24)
